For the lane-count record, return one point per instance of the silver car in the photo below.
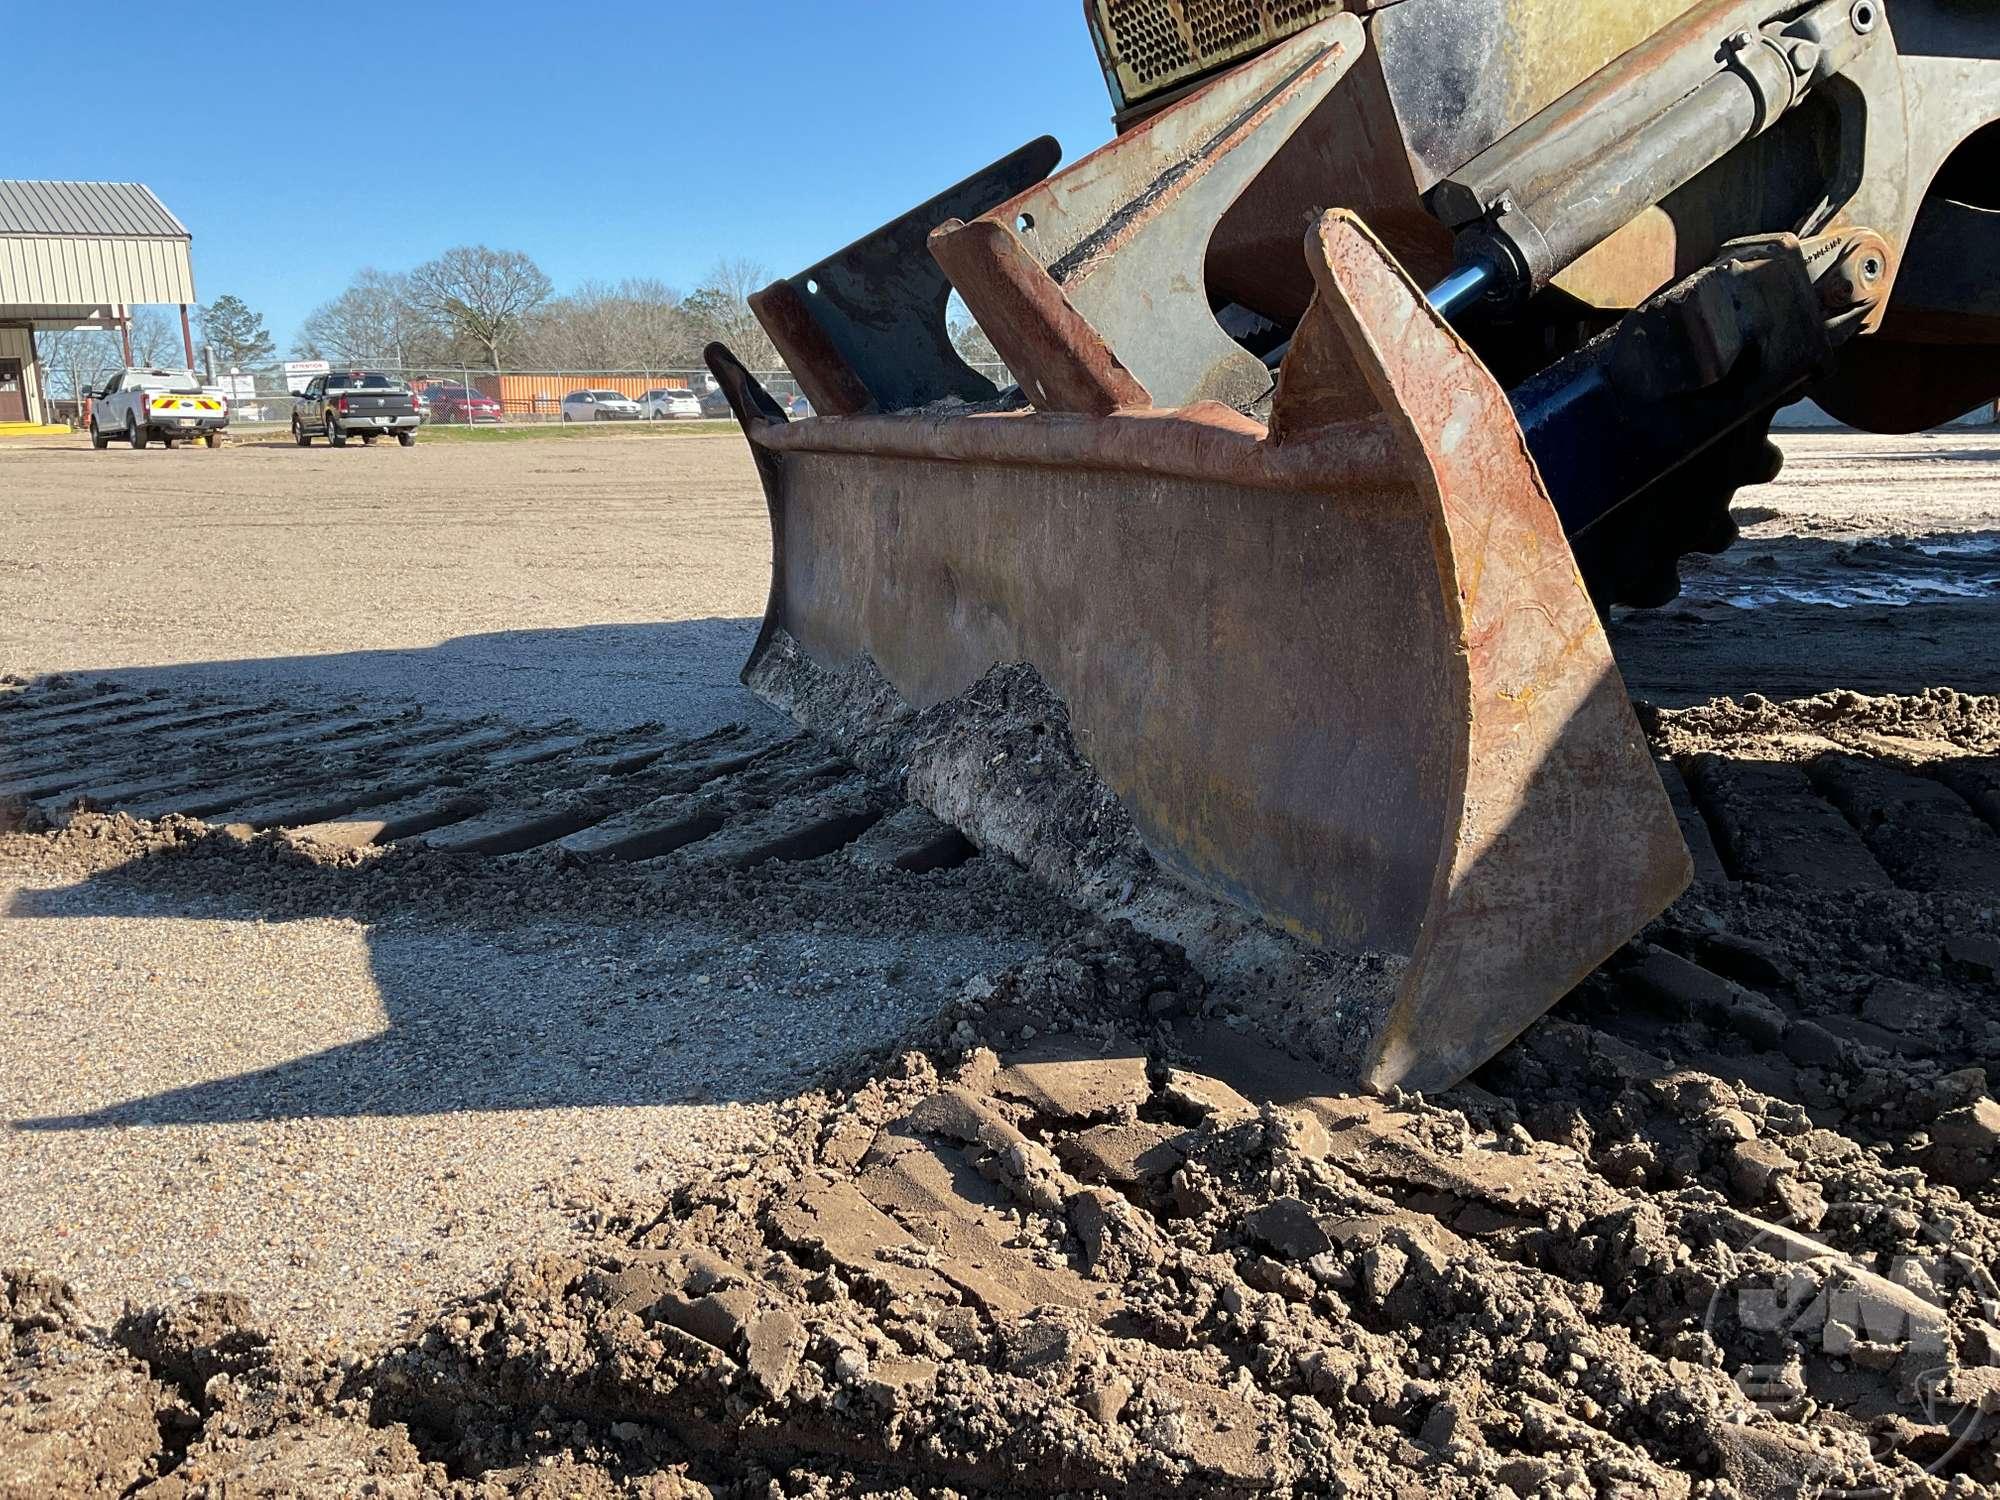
(600, 406)
(663, 402)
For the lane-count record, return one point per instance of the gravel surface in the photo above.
(619, 579)
(610, 580)
(344, 1122)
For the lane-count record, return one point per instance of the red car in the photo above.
(458, 403)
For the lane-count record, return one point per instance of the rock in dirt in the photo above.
(1965, 1145)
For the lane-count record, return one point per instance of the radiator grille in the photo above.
(1221, 28)
(1149, 47)
(1148, 39)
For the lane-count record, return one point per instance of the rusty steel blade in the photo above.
(1342, 671)
(865, 329)
(1125, 232)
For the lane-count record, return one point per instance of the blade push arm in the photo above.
(1532, 203)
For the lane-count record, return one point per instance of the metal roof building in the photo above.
(81, 255)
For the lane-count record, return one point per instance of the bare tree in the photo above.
(79, 357)
(378, 319)
(579, 331)
(654, 324)
(496, 308)
(968, 338)
(76, 358)
(635, 325)
(156, 339)
(719, 312)
(973, 346)
(481, 293)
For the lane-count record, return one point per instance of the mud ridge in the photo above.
(999, 762)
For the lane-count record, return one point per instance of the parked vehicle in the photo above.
(460, 404)
(600, 406)
(716, 404)
(798, 406)
(355, 403)
(140, 405)
(663, 402)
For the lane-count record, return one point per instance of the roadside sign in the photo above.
(298, 372)
(239, 388)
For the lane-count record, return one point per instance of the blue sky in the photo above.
(604, 140)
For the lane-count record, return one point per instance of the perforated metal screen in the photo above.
(1149, 47)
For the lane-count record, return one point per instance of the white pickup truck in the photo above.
(140, 405)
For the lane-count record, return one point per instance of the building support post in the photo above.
(125, 333)
(187, 336)
(33, 386)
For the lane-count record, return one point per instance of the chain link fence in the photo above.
(467, 394)
(455, 394)
(451, 394)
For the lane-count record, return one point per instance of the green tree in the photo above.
(236, 334)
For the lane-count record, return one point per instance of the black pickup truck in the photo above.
(355, 403)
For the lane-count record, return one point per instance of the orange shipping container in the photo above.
(542, 395)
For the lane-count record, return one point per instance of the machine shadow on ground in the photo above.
(1791, 616)
(789, 971)
(681, 673)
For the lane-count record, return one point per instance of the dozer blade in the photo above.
(1337, 670)
(1341, 670)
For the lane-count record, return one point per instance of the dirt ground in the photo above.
(609, 580)
(1852, 571)
(483, 1166)
(613, 580)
